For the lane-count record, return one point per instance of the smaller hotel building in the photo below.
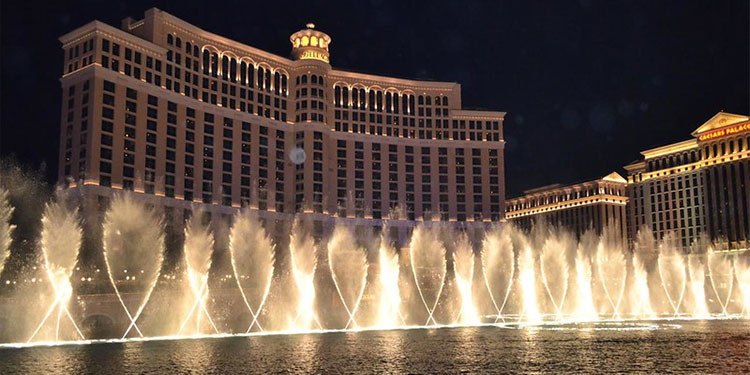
(698, 187)
(578, 207)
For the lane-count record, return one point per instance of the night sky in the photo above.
(586, 84)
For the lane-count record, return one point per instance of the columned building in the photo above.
(578, 207)
(698, 187)
(181, 116)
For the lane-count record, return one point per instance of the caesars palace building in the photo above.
(181, 116)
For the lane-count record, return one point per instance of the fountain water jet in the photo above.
(611, 268)
(389, 295)
(527, 280)
(463, 267)
(585, 310)
(199, 246)
(348, 265)
(554, 258)
(673, 274)
(428, 265)
(721, 274)
(252, 254)
(498, 266)
(133, 243)
(698, 288)
(6, 229)
(60, 240)
(304, 262)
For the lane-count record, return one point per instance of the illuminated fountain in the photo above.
(554, 271)
(673, 275)
(428, 266)
(133, 244)
(348, 265)
(499, 267)
(199, 246)
(721, 274)
(389, 295)
(545, 276)
(304, 262)
(463, 267)
(252, 254)
(60, 242)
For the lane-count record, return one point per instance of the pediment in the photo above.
(720, 120)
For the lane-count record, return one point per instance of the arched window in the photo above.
(233, 70)
(250, 75)
(277, 82)
(337, 96)
(320, 80)
(355, 98)
(379, 100)
(388, 102)
(224, 67)
(437, 100)
(268, 80)
(214, 65)
(411, 104)
(260, 77)
(284, 79)
(421, 100)
(304, 79)
(395, 102)
(405, 104)
(178, 43)
(243, 73)
(445, 100)
(196, 53)
(362, 99)
(206, 61)
(371, 103)
(170, 39)
(314, 79)
(345, 95)
(188, 48)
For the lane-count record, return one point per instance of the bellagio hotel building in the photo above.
(181, 116)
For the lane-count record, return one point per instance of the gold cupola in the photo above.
(310, 44)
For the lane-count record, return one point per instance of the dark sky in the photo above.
(586, 84)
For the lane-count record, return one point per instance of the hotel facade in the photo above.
(696, 188)
(181, 116)
(683, 192)
(588, 205)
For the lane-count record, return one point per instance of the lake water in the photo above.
(716, 347)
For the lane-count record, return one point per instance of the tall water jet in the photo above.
(6, 229)
(198, 248)
(527, 279)
(304, 261)
(553, 269)
(60, 240)
(698, 287)
(498, 266)
(673, 274)
(742, 270)
(721, 274)
(252, 253)
(643, 255)
(463, 267)
(585, 309)
(612, 271)
(348, 264)
(428, 265)
(389, 294)
(133, 252)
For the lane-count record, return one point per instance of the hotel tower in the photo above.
(181, 116)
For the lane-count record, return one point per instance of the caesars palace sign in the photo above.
(739, 128)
